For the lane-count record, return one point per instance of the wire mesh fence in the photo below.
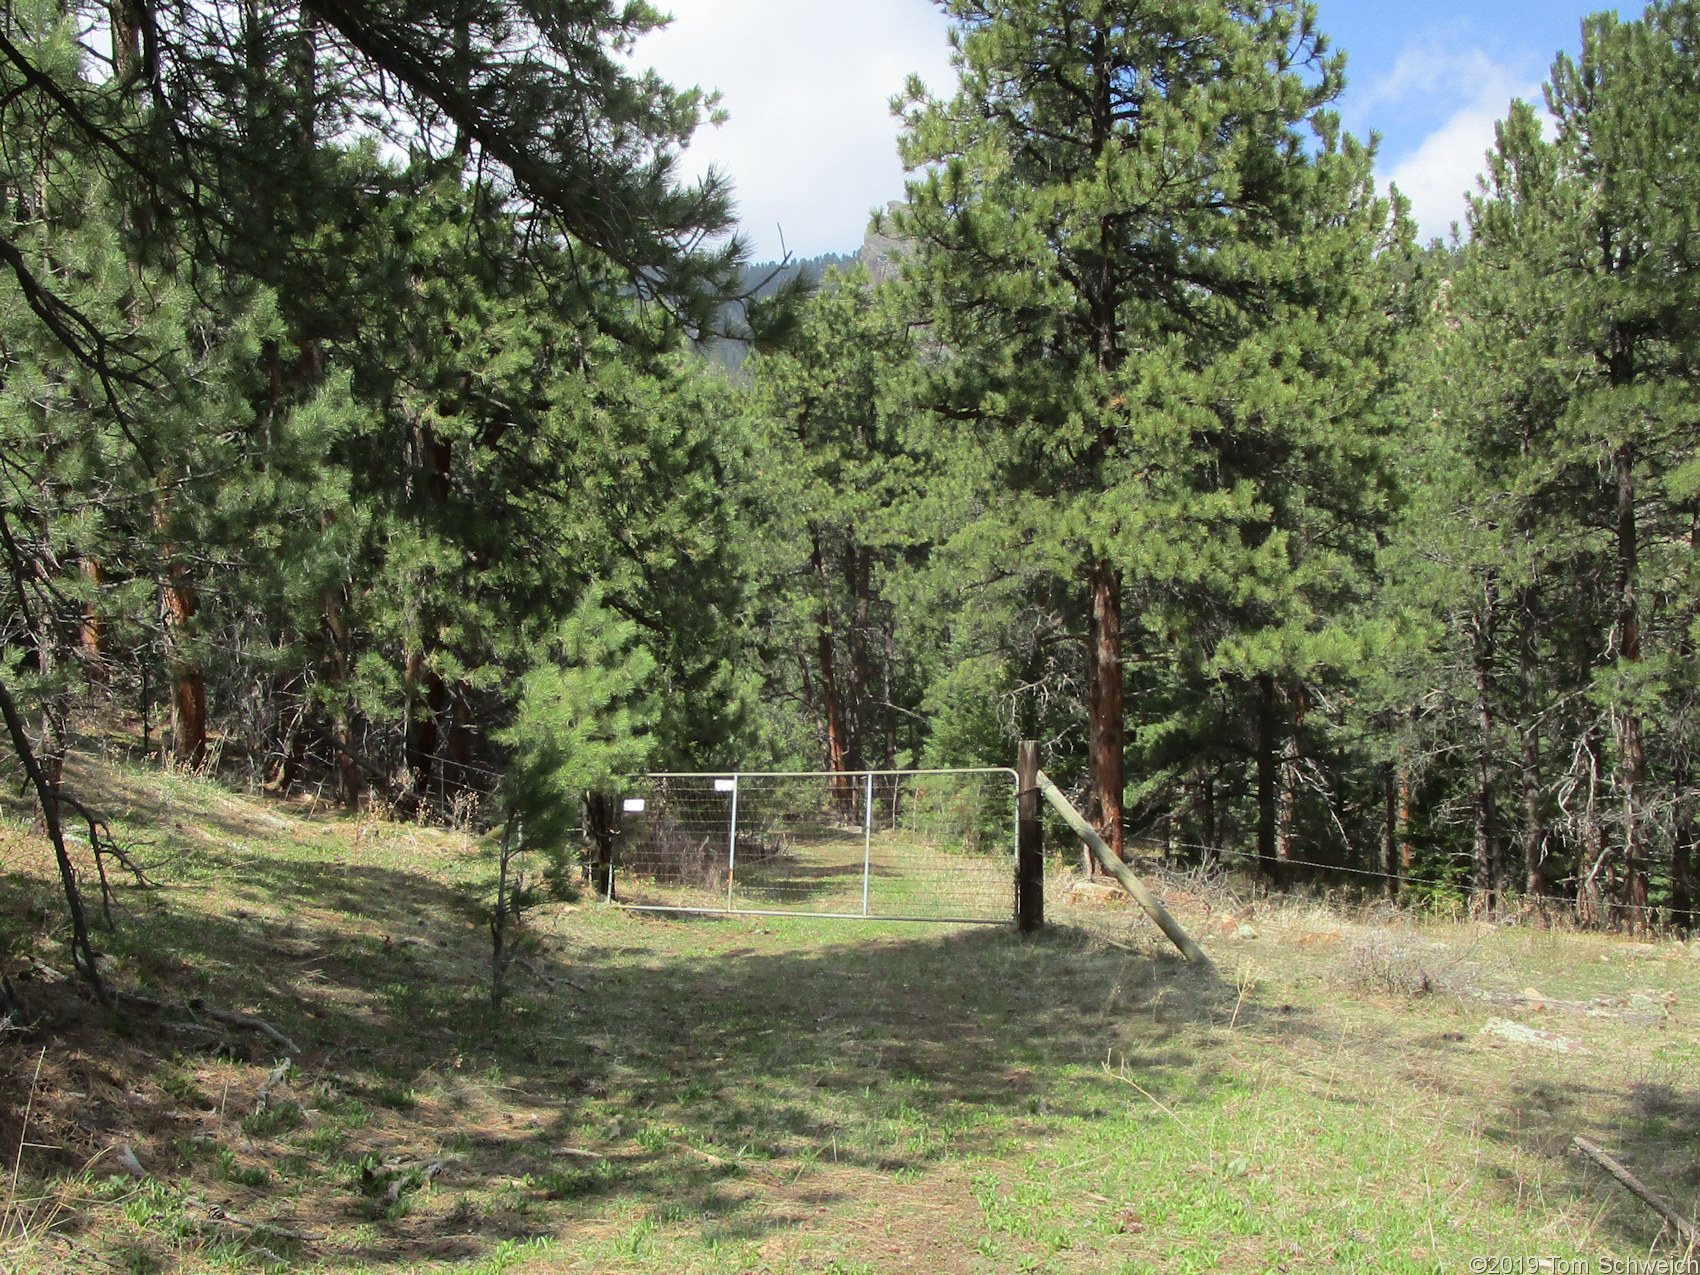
(911, 845)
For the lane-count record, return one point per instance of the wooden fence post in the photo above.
(1029, 840)
(599, 825)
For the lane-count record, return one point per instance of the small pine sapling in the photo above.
(582, 718)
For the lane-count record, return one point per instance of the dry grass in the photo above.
(1395, 963)
(743, 1094)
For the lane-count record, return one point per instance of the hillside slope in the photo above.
(756, 1093)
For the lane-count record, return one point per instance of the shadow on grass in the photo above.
(686, 1065)
(672, 1064)
(1653, 1129)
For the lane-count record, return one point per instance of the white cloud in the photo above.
(1431, 70)
(1439, 174)
(1442, 169)
(810, 145)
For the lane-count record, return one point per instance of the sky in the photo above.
(810, 143)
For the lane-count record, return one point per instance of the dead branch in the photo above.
(521, 963)
(249, 1021)
(218, 1215)
(15, 1016)
(49, 795)
(277, 1076)
(198, 1008)
(103, 843)
(1685, 1230)
(715, 1160)
(409, 1176)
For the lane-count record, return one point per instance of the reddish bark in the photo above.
(188, 686)
(93, 635)
(1107, 729)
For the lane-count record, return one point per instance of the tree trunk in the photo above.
(1407, 852)
(92, 638)
(1485, 872)
(188, 686)
(890, 674)
(1268, 746)
(1533, 835)
(1390, 830)
(135, 54)
(421, 690)
(426, 698)
(1683, 847)
(1287, 811)
(50, 754)
(859, 719)
(349, 785)
(831, 708)
(1207, 809)
(47, 793)
(1107, 729)
(1632, 760)
(1590, 859)
(457, 776)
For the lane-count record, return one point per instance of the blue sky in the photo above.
(1432, 78)
(810, 145)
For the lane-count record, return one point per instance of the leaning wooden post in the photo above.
(1115, 867)
(1029, 841)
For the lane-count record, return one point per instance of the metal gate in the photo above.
(913, 845)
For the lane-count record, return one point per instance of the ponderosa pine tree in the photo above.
(839, 485)
(1137, 267)
(352, 418)
(1569, 392)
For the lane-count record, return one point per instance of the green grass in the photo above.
(722, 1094)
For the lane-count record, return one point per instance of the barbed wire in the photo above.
(1606, 906)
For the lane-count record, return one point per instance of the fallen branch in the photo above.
(200, 1009)
(523, 964)
(103, 843)
(1685, 1230)
(276, 1076)
(217, 1214)
(715, 1160)
(720, 1162)
(252, 1023)
(410, 1177)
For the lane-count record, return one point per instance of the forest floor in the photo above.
(1359, 1088)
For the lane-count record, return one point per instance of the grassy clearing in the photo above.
(772, 1094)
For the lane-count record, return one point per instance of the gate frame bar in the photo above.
(736, 776)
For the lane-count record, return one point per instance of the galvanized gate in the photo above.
(914, 845)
